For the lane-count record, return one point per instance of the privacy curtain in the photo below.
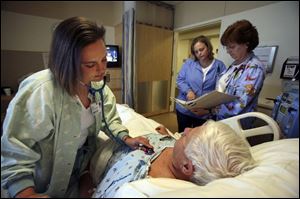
(128, 63)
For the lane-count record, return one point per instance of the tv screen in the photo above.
(113, 56)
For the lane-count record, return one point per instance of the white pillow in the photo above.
(137, 124)
(277, 175)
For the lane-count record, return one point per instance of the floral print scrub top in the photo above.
(245, 81)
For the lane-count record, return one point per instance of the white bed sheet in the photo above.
(136, 123)
(277, 173)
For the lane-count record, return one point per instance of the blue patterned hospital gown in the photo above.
(128, 165)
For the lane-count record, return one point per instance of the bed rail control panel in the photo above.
(286, 113)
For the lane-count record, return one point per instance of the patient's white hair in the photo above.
(216, 151)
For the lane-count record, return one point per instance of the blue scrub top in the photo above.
(190, 77)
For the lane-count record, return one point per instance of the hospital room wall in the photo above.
(191, 13)
(277, 24)
(24, 41)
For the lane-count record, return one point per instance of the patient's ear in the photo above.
(188, 168)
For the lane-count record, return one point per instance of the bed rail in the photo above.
(271, 127)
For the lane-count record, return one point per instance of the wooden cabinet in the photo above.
(114, 81)
(153, 69)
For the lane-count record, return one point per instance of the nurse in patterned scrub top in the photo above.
(245, 76)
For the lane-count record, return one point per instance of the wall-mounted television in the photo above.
(113, 56)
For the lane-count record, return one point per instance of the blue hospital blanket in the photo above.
(128, 165)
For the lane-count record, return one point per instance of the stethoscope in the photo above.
(93, 91)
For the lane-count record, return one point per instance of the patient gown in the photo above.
(128, 165)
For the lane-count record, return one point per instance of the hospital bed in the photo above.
(276, 175)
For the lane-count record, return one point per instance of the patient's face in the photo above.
(179, 156)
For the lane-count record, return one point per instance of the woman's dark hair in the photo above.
(241, 32)
(69, 38)
(208, 44)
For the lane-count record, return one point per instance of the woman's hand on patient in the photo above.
(137, 142)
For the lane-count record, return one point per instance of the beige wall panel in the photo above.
(115, 82)
(153, 53)
(183, 53)
(193, 12)
(16, 64)
(207, 31)
(101, 11)
(118, 35)
(144, 97)
(153, 66)
(152, 14)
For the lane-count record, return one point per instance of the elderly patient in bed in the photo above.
(200, 155)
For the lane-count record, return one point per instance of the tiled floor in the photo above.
(169, 120)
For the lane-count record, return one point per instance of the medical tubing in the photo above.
(110, 134)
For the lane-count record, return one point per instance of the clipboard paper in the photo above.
(206, 101)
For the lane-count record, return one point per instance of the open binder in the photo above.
(207, 101)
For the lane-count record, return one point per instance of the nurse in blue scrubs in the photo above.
(197, 77)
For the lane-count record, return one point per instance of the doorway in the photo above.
(182, 43)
